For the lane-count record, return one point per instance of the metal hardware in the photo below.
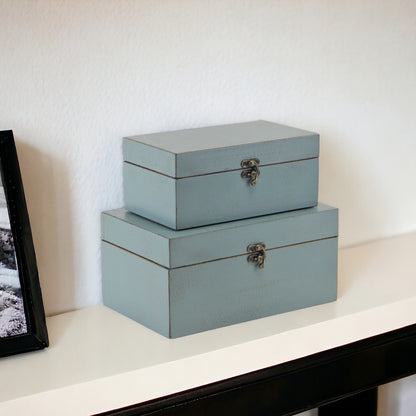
(253, 170)
(257, 254)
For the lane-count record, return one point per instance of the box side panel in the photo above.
(274, 231)
(222, 197)
(136, 288)
(149, 157)
(124, 234)
(230, 291)
(150, 194)
(229, 158)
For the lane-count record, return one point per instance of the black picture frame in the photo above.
(34, 335)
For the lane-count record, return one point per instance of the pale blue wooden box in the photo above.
(189, 178)
(182, 282)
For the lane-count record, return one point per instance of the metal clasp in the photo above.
(253, 170)
(257, 254)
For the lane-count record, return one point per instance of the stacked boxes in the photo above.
(221, 226)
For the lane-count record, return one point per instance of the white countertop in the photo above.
(99, 360)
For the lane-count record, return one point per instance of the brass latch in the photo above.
(253, 170)
(257, 254)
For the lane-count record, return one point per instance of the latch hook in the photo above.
(253, 170)
(257, 254)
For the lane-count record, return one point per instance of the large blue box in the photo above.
(182, 282)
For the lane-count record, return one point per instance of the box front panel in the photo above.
(278, 230)
(224, 292)
(135, 287)
(226, 196)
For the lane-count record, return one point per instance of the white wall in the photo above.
(397, 398)
(76, 76)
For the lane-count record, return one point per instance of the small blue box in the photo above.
(189, 178)
(182, 282)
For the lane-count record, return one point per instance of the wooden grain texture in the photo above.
(191, 178)
(300, 269)
(220, 148)
(150, 157)
(150, 194)
(220, 197)
(136, 288)
(173, 249)
(229, 291)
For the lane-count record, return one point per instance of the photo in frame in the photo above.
(22, 316)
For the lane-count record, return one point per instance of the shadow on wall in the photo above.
(46, 186)
(353, 190)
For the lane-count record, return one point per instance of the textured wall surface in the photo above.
(76, 76)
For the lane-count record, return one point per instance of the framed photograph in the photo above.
(22, 317)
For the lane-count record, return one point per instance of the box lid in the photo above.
(200, 151)
(173, 249)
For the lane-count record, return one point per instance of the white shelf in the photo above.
(99, 360)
